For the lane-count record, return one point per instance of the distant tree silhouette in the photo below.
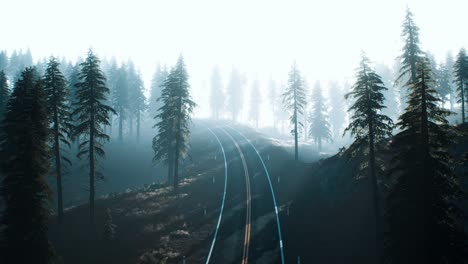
(155, 93)
(460, 69)
(120, 99)
(136, 98)
(55, 87)
(92, 116)
(4, 93)
(338, 110)
(24, 163)
(319, 129)
(255, 101)
(217, 94)
(273, 100)
(294, 100)
(3, 61)
(234, 93)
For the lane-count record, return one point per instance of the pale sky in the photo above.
(259, 37)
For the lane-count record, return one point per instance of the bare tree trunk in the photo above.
(58, 168)
(91, 169)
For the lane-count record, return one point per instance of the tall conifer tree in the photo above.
(369, 126)
(55, 86)
(92, 116)
(171, 144)
(4, 94)
(425, 223)
(294, 100)
(24, 164)
(460, 69)
(319, 129)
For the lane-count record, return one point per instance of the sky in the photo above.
(262, 38)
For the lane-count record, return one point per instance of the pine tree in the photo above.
(3, 61)
(319, 126)
(391, 93)
(460, 69)
(73, 71)
(234, 93)
(255, 101)
(217, 95)
(112, 75)
(338, 110)
(273, 99)
(92, 116)
(136, 98)
(171, 143)
(4, 94)
(449, 63)
(24, 164)
(120, 98)
(411, 49)
(158, 79)
(444, 83)
(294, 100)
(369, 126)
(109, 227)
(425, 223)
(55, 87)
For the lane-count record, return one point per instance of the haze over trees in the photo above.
(255, 101)
(337, 111)
(4, 93)
(234, 94)
(319, 129)
(216, 94)
(390, 154)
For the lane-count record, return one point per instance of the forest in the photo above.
(102, 163)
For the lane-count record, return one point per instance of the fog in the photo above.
(259, 38)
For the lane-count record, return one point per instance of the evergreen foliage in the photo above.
(319, 129)
(173, 121)
(55, 87)
(109, 227)
(369, 126)
(460, 70)
(255, 101)
(156, 85)
(234, 93)
(338, 110)
(92, 115)
(4, 94)
(294, 100)
(24, 164)
(425, 223)
(217, 95)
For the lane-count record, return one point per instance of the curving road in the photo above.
(249, 229)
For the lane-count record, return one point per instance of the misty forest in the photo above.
(195, 158)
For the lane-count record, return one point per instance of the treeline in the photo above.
(322, 116)
(422, 220)
(52, 107)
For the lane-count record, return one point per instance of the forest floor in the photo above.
(324, 213)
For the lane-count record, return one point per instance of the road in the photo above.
(249, 229)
